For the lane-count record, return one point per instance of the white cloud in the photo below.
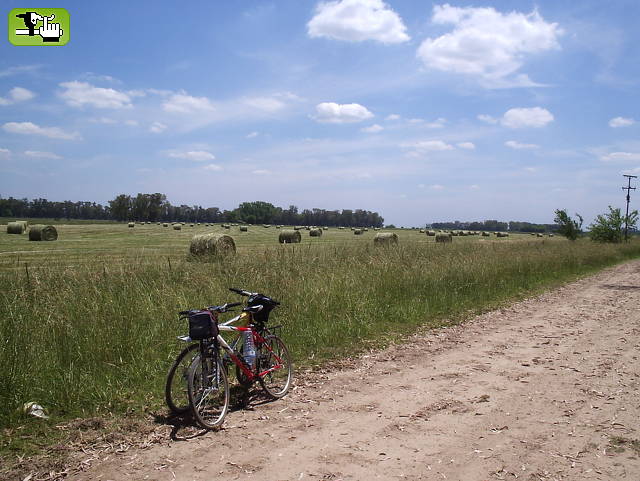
(466, 145)
(212, 167)
(488, 44)
(266, 104)
(42, 155)
(17, 94)
(392, 117)
(103, 120)
(187, 104)
(530, 169)
(436, 187)
(373, 129)
(29, 128)
(436, 124)
(252, 135)
(5, 152)
(621, 157)
(157, 127)
(261, 172)
(330, 112)
(487, 119)
(526, 117)
(474, 186)
(621, 122)
(195, 155)
(431, 146)
(357, 20)
(131, 123)
(519, 146)
(79, 94)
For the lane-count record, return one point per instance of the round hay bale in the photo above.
(485, 234)
(244, 228)
(385, 238)
(266, 226)
(550, 235)
(502, 234)
(190, 225)
(15, 228)
(24, 223)
(289, 237)
(341, 228)
(539, 235)
(298, 227)
(227, 227)
(325, 228)
(165, 224)
(421, 231)
(278, 227)
(431, 233)
(444, 237)
(357, 231)
(315, 232)
(177, 226)
(212, 245)
(43, 233)
(132, 224)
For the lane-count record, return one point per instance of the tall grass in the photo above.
(100, 336)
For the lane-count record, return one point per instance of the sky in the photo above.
(421, 111)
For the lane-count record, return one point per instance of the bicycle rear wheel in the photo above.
(274, 357)
(208, 390)
(175, 389)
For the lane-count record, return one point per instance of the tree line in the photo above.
(156, 208)
(496, 226)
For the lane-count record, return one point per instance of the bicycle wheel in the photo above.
(274, 356)
(208, 390)
(175, 390)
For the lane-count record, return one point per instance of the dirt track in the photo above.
(546, 389)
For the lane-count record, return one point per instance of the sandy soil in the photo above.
(545, 389)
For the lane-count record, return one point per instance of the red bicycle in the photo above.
(263, 357)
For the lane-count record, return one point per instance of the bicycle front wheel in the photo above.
(275, 362)
(175, 390)
(208, 390)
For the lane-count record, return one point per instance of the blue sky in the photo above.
(420, 111)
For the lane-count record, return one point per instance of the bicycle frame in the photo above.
(236, 357)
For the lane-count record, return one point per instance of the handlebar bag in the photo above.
(267, 306)
(202, 325)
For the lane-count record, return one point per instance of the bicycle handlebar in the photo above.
(249, 294)
(223, 308)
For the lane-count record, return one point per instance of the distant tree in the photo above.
(568, 227)
(609, 227)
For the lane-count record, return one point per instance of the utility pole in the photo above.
(628, 189)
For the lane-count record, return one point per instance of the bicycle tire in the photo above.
(276, 383)
(176, 395)
(209, 410)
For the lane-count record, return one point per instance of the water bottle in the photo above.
(249, 349)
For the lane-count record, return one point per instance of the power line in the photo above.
(628, 189)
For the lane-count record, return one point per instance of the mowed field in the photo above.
(89, 322)
(116, 242)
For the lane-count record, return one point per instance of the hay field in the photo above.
(89, 321)
(152, 243)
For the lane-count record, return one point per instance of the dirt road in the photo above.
(546, 389)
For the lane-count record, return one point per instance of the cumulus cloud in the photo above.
(157, 127)
(17, 94)
(430, 146)
(520, 146)
(488, 44)
(356, 21)
(392, 117)
(5, 152)
(466, 145)
(621, 122)
(79, 94)
(621, 157)
(373, 129)
(535, 117)
(330, 112)
(41, 155)
(252, 135)
(183, 103)
(212, 167)
(487, 119)
(195, 155)
(29, 128)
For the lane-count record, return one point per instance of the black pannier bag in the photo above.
(202, 326)
(267, 306)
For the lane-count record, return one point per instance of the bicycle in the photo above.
(269, 364)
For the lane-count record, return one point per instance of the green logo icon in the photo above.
(39, 26)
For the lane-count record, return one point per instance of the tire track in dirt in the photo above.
(545, 389)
